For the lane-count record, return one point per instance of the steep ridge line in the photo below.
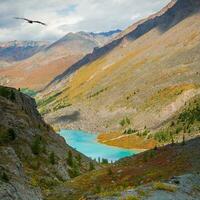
(167, 14)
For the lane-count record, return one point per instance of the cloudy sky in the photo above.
(63, 16)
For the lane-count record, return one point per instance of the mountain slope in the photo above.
(20, 50)
(33, 158)
(37, 71)
(148, 77)
(168, 172)
(163, 20)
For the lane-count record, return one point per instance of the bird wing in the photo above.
(22, 18)
(39, 23)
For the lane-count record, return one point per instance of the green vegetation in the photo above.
(11, 134)
(91, 167)
(6, 136)
(56, 103)
(129, 131)
(104, 161)
(61, 104)
(79, 159)
(122, 123)
(74, 163)
(4, 177)
(34, 163)
(191, 114)
(97, 93)
(7, 93)
(45, 182)
(28, 92)
(70, 159)
(48, 100)
(144, 133)
(74, 171)
(52, 158)
(125, 121)
(196, 188)
(162, 136)
(36, 146)
(187, 122)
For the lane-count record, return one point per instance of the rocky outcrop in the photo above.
(32, 156)
(17, 186)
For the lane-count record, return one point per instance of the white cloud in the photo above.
(63, 16)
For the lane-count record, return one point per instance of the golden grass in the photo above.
(126, 141)
(165, 187)
(81, 82)
(167, 95)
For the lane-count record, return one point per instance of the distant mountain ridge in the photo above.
(20, 50)
(109, 33)
(93, 39)
(37, 71)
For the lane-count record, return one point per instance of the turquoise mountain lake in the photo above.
(87, 144)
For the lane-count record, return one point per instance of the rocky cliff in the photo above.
(33, 158)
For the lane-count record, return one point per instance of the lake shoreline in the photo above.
(132, 149)
(88, 144)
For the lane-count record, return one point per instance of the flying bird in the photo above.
(30, 21)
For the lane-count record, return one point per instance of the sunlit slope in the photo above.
(146, 80)
(37, 71)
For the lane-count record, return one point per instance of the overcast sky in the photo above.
(63, 16)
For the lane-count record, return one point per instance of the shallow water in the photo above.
(87, 144)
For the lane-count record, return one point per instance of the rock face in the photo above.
(32, 156)
(19, 188)
(20, 50)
